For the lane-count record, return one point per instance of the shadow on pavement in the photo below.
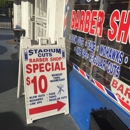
(2, 50)
(11, 121)
(6, 37)
(8, 74)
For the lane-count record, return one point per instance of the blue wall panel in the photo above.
(84, 97)
(81, 103)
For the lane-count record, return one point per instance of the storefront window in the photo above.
(98, 42)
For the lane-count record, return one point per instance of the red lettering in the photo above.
(52, 65)
(100, 22)
(47, 67)
(123, 27)
(77, 19)
(40, 84)
(93, 22)
(115, 16)
(57, 67)
(82, 18)
(86, 25)
(40, 59)
(28, 68)
(62, 67)
(37, 60)
(118, 95)
(41, 67)
(35, 67)
(127, 92)
(114, 83)
(72, 19)
(121, 88)
(30, 60)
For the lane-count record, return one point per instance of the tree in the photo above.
(5, 3)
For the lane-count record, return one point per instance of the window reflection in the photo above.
(97, 73)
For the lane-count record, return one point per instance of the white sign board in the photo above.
(45, 80)
(121, 89)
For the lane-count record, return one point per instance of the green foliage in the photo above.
(6, 3)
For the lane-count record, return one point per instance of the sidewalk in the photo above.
(12, 109)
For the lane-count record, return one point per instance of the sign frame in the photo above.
(63, 105)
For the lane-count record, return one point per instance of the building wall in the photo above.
(55, 17)
(17, 13)
(60, 5)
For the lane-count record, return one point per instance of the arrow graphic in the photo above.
(37, 110)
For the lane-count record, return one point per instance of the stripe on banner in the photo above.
(70, 63)
(124, 104)
(82, 72)
(101, 87)
(87, 76)
(65, 18)
(76, 67)
(111, 94)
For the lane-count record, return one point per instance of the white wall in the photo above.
(25, 16)
(55, 18)
(51, 19)
(59, 21)
(17, 13)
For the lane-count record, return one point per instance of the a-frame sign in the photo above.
(43, 78)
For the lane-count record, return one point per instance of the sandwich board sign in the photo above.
(43, 70)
